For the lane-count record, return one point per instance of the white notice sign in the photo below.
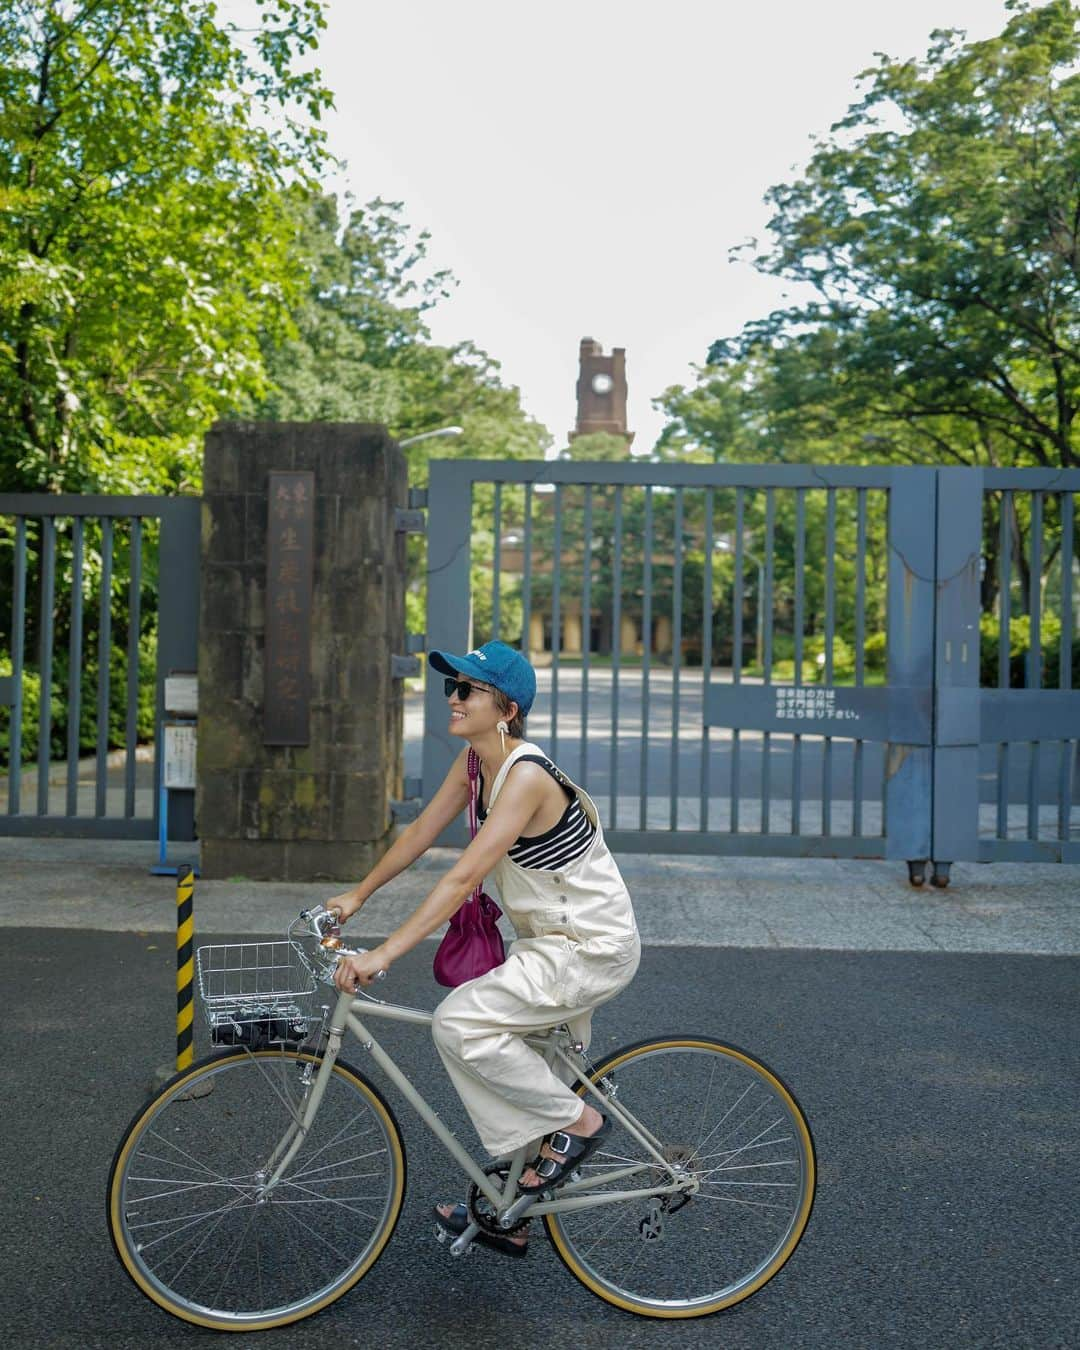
(178, 770)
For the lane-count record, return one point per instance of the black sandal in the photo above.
(458, 1220)
(572, 1150)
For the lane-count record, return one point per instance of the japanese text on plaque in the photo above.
(289, 564)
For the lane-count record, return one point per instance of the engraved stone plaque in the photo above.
(289, 568)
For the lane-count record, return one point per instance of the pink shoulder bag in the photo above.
(472, 944)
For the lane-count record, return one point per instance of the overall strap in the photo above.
(553, 772)
(525, 748)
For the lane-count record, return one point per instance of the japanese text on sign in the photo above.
(796, 704)
(289, 566)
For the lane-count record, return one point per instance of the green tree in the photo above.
(145, 151)
(360, 350)
(939, 226)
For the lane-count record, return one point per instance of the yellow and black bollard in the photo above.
(185, 966)
(185, 991)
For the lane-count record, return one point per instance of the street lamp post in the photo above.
(428, 435)
(724, 545)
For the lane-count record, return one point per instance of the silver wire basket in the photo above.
(257, 993)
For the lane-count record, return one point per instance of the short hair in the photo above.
(515, 724)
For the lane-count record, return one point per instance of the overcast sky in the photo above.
(584, 167)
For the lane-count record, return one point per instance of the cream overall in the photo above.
(577, 946)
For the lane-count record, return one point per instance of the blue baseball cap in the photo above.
(496, 664)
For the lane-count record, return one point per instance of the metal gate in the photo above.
(1007, 729)
(81, 574)
(772, 660)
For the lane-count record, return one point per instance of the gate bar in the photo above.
(800, 623)
(616, 650)
(1066, 749)
(676, 650)
(48, 587)
(830, 655)
(706, 653)
(1004, 615)
(526, 579)
(908, 781)
(1034, 659)
(765, 616)
(736, 653)
(75, 637)
(646, 651)
(860, 642)
(956, 665)
(18, 640)
(131, 729)
(104, 648)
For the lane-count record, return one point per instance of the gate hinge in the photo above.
(418, 497)
(404, 667)
(415, 642)
(410, 805)
(408, 521)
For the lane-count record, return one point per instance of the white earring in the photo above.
(502, 729)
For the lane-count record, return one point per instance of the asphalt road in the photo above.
(941, 1090)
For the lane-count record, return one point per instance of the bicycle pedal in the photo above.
(441, 1235)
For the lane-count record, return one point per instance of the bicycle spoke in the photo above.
(194, 1212)
(729, 1135)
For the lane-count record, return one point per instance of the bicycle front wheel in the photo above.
(188, 1211)
(727, 1120)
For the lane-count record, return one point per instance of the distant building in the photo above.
(601, 407)
(601, 392)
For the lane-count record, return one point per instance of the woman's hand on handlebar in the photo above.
(346, 905)
(355, 971)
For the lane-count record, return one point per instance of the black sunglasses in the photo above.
(463, 688)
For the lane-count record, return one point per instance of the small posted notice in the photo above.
(178, 770)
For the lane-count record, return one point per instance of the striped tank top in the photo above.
(568, 839)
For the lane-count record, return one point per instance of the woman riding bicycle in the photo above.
(577, 942)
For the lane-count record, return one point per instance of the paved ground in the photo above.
(941, 1089)
(730, 902)
(932, 1037)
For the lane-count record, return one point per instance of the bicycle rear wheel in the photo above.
(186, 1213)
(729, 1120)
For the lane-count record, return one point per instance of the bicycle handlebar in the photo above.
(322, 923)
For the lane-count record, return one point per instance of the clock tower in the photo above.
(601, 392)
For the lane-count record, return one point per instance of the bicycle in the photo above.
(260, 1185)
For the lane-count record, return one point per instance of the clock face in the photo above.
(602, 384)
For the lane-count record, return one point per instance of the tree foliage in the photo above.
(146, 147)
(360, 349)
(939, 229)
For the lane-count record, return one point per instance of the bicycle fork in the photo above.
(314, 1090)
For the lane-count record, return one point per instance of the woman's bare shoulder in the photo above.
(531, 777)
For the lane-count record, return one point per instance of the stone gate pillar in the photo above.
(297, 764)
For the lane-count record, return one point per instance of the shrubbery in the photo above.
(31, 710)
(1019, 647)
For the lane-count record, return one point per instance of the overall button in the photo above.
(559, 879)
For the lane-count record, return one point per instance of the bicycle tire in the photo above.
(740, 1229)
(271, 1263)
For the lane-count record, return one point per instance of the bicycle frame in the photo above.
(506, 1200)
